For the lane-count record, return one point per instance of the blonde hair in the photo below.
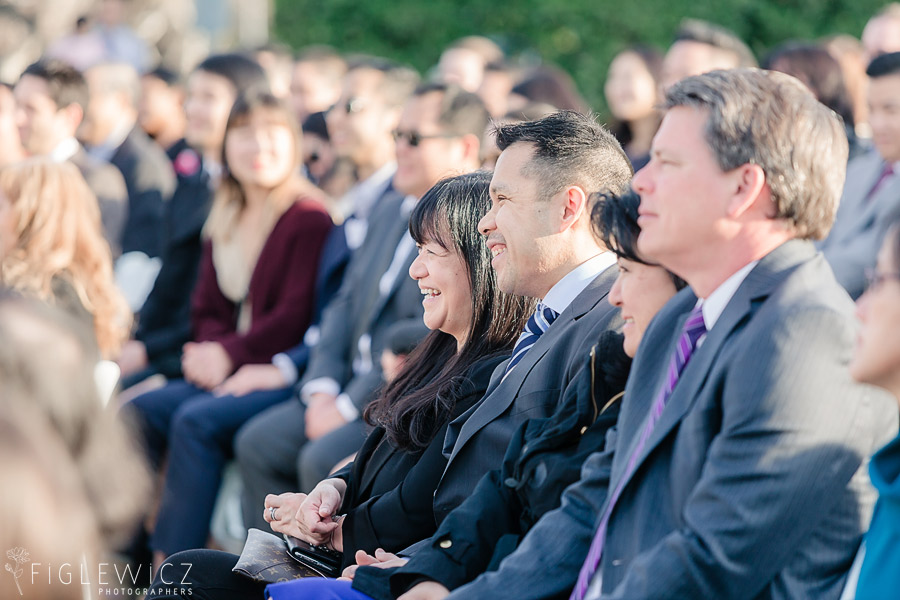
(58, 236)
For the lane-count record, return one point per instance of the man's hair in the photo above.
(65, 84)
(244, 73)
(167, 76)
(326, 60)
(486, 48)
(886, 64)
(772, 120)
(704, 32)
(461, 112)
(570, 149)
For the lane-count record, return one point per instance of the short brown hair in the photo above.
(772, 120)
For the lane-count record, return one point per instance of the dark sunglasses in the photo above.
(414, 138)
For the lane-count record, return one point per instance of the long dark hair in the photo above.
(421, 398)
(615, 221)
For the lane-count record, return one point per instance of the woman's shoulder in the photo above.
(305, 212)
(481, 370)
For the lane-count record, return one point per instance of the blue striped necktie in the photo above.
(537, 324)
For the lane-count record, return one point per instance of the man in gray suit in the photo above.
(437, 135)
(872, 191)
(738, 470)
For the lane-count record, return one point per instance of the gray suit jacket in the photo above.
(860, 225)
(753, 482)
(476, 442)
(359, 308)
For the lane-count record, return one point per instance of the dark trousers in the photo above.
(275, 457)
(198, 429)
(203, 575)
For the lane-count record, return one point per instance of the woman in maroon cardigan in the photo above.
(253, 299)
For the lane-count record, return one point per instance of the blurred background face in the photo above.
(639, 291)
(41, 123)
(359, 121)
(104, 110)
(884, 115)
(630, 88)
(876, 359)
(311, 92)
(261, 151)
(880, 36)
(419, 167)
(158, 105)
(686, 58)
(463, 67)
(207, 104)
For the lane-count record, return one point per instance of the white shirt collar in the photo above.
(714, 305)
(360, 199)
(112, 143)
(566, 289)
(65, 150)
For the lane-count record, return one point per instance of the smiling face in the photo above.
(639, 291)
(207, 103)
(444, 281)
(876, 359)
(42, 124)
(261, 151)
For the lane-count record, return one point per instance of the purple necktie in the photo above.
(886, 172)
(693, 330)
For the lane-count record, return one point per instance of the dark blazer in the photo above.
(388, 499)
(281, 302)
(360, 308)
(543, 458)
(752, 483)
(108, 185)
(150, 181)
(477, 442)
(165, 319)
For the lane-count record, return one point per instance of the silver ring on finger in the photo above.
(272, 513)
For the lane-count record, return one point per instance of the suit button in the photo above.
(510, 482)
(617, 562)
(583, 429)
(445, 544)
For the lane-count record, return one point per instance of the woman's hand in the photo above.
(316, 517)
(251, 378)
(280, 513)
(381, 559)
(205, 364)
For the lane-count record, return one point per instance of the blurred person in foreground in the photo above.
(52, 249)
(876, 360)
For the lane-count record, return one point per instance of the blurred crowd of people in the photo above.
(405, 307)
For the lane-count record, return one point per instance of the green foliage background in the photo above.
(582, 36)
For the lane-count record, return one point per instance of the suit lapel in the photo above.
(377, 460)
(760, 282)
(501, 394)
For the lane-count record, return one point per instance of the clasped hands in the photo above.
(313, 517)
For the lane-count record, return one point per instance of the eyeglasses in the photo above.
(874, 279)
(351, 106)
(414, 138)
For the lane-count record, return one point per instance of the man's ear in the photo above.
(575, 204)
(749, 189)
(72, 115)
(471, 148)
